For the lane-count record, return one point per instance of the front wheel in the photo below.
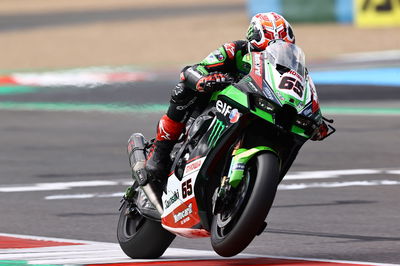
(234, 227)
(139, 237)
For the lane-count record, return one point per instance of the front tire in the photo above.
(232, 230)
(139, 237)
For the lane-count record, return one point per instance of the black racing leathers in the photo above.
(227, 59)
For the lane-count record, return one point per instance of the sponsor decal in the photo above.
(307, 111)
(238, 166)
(257, 64)
(163, 133)
(252, 86)
(230, 50)
(218, 55)
(183, 107)
(216, 132)
(294, 73)
(212, 59)
(192, 166)
(183, 214)
(234, 116)
(223, 108)
(256, 73)
(268, 93)
(172, 199)
(280, 96)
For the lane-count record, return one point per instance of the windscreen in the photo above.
(284, 55)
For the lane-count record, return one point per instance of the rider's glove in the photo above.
(213, 81)
(322, 132)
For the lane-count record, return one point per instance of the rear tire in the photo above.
(139, 237)
(232, 230)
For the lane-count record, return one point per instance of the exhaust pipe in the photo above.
(137, 161)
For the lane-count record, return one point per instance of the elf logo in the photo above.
(223, 108)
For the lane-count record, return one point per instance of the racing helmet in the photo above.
(265, 27)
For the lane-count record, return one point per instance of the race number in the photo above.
(290, 83)
(187, 188)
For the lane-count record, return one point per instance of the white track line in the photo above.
(338, 184)
(300, 175)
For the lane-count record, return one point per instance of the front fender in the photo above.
(239, 161)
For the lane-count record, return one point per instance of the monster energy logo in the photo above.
(250, 31)
(215, 133)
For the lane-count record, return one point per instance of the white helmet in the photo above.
(265, 27)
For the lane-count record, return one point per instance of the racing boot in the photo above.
(158, 160)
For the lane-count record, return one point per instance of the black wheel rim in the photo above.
(133, 222)
(228, 218)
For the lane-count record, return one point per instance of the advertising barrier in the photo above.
(377, 13)
(306, 10)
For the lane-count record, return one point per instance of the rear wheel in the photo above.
(234, 227)
(139, 237)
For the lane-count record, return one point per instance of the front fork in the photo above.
(240, 158)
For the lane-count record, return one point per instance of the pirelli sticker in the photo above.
(377, 13)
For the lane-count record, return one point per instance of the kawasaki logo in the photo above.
(186, 212)
(172, 199)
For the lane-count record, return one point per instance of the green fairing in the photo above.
(234, 94)
(264, 115)
(271, 71)
(299, 131)
(241, 63)
(241, 98)
(239, 160)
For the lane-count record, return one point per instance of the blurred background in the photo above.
(38, 34)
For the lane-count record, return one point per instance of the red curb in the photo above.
(4, 80)
(14, 242)
(234, 262)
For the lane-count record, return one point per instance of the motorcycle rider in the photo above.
(197, 82)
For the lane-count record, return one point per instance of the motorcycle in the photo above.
(228, 163)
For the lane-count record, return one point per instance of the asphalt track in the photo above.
(63, 172)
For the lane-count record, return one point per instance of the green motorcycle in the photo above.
(228, 164)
